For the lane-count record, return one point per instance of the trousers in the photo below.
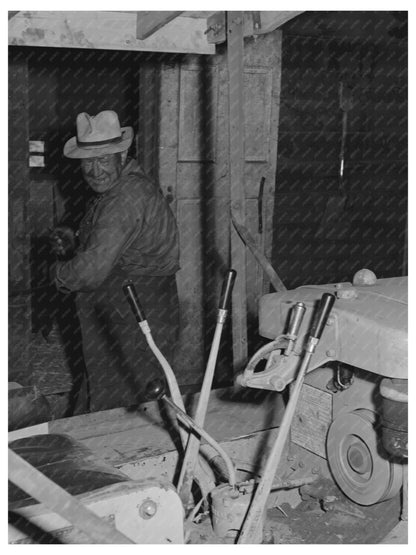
(118, 360)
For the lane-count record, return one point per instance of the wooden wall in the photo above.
(325, 231)
(193, 173)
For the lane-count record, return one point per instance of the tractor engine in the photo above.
(351, 418)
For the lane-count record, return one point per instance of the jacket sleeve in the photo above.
(113, 229)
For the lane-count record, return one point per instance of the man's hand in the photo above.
(63, 242)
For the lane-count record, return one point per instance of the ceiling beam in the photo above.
(106, 30)
(150, 22)
(255, 23)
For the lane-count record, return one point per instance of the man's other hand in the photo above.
(63, 242)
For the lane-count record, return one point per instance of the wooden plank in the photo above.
(197, 114)
(190, 279)
(148, 118)
(257, 109)
(250, 242)
(235, 53)
(106, 30)
(150, 22)
(121, 437)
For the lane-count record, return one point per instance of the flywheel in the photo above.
(357, 460)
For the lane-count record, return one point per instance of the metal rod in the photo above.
(187, 471)
(191, 455)
(188, 421)
(255, 513)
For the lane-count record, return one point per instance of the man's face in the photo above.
(101, 173)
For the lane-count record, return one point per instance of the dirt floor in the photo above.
(344, 522)
(336, 521)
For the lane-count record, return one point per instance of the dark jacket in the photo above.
(129, 227)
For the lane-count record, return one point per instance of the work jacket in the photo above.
(129, 227)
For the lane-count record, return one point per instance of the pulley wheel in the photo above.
(357, 460)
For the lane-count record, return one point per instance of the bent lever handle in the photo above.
(133, 299)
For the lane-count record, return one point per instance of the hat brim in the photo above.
(72, 150)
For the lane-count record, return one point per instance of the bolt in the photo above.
(147, 509)
(315, 470)
(301, 464)
(277, 383)
(330, 353)
(330, 321)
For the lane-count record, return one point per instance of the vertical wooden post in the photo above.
(148, 129)
(235, 51)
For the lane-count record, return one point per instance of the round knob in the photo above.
(364, 277)
(155, 389)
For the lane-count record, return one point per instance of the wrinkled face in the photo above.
(101, 173)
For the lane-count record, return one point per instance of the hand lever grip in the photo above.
(325, 305)
(227, 289)
(130, 292)
(155, 390)
(298, 312)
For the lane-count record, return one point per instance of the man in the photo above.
(128, 232)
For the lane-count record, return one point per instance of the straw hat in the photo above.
(98, 135)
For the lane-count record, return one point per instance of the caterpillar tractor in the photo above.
(351, 415)
(338, 350)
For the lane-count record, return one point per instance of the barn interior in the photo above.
(279, 140)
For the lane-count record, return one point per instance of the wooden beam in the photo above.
(150, 22)
(106, 30)
(235, 54)
(265, 264)
(255, 23)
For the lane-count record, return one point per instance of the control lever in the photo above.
(255, 513)
(139, 314)
(191, 454)
(130, 292)
(155, 390)
(133, 300)
(296, 317)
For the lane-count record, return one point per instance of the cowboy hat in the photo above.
(98, 135)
